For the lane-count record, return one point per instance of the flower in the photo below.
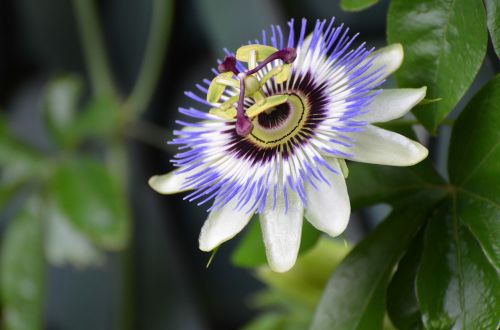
(283, 115)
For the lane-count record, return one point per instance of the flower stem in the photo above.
(93, 47)
(152, 62)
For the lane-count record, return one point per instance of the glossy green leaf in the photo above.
(457, 287)
(251, 251)
(474, 166)
(355, 295)
(61, 105)
(90, 199)
(483, 219)
(402, 304)
(22, 269)
(373, 184)
(474, 159)
(357, 5)
(438, 36)
(493, 11)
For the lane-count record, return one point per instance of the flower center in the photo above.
(249, 85)
(281, 123)
(274, 117)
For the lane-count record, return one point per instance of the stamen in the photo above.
(287, 55)
(243, 124)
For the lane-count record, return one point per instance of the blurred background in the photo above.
(146, 272)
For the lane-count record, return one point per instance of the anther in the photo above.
(249, 84)
(287, 55)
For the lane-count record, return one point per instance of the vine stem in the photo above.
(152, 63)
(93, 47)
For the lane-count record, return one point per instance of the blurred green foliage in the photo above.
(291, 297)
(433, 262)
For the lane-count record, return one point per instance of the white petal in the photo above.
(282, 231)
(393, 103)
(328, 207)
(222, 225)
(169, 183)
(379, 146)
(389, 57)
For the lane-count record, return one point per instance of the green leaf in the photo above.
(355, 295)
(251, 252)
(99, 118)
(357, 5)
(474, 166)
(20, 158)
(493, 11)
(304, 283)
(402, 304)
(373, 184)
(439, 36)
(456, 285)
(483, 219)
(474, 159)
(7, 190)
(268, 321)
(90, 199)
(61, 105)
(22, 272)
(457, 282)
(65, 245)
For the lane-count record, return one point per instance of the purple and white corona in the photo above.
(273, 130)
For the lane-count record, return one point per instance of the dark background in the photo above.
(166, 284)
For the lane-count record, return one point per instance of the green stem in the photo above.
(93, 47)
(152, 62)
(117, 163)
(152, 135)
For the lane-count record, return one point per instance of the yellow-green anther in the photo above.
(271, 102)
(228, 114)
(343, 167)
(252, 85)
(274, 71)
(262, 52)
(215, 90)
(229, 102)
(259, 98)
(284, 74)
(252, 61)
(229, 82)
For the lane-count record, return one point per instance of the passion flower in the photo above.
(274, 128)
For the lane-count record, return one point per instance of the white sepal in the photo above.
(328, 207)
